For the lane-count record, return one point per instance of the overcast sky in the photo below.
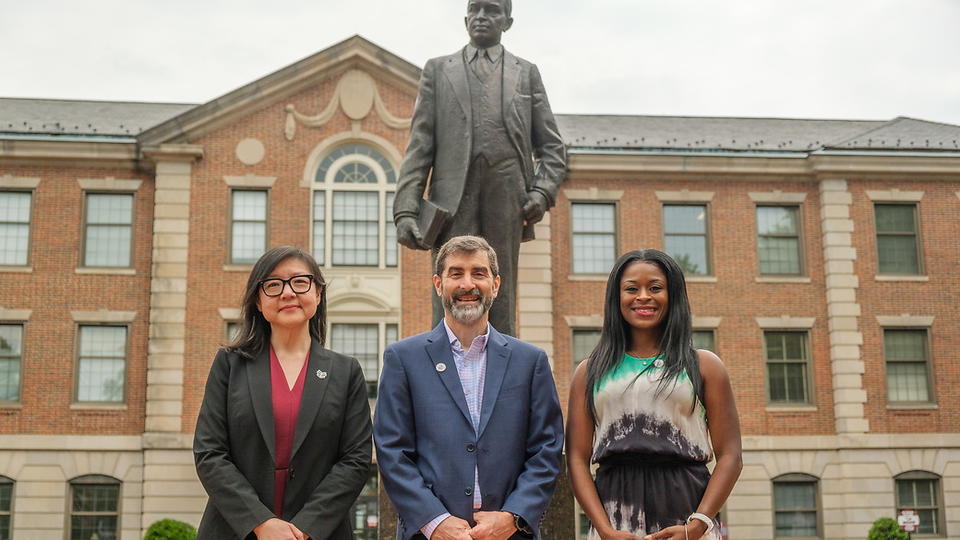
(853, 59)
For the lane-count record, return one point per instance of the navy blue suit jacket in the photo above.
(427, 448)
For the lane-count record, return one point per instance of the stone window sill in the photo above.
(587, 277)
(90, 270)
(17, 269)
(783, 279)
(901, 278)
(98, 407)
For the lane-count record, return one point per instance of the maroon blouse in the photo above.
(286, 408)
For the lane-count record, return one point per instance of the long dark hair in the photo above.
(676, 336)
(254, 333)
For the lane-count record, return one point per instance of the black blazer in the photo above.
(234, 447)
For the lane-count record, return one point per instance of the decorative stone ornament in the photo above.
(250, 151)
(356, 94)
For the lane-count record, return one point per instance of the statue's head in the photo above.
(486, 20)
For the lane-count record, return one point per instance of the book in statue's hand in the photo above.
(431, 221)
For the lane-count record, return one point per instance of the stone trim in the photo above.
(229, 314)
(12, 315)
(925, 321)
(785, 321)
(894, 195)
(702, 279)
(782, 279)
(777, 196)
(320, 151)
(534, 292)
(584, 321)
(843, 310)
(706, 323)
(105, 271)
(103, 316)
(249, 181)
(593, 194)
(888, 277)
(108, 184)
(18, 182)
(684, 196)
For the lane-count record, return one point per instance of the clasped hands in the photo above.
(490, 526)
(278, 529)
(692, 531)
(410, 235)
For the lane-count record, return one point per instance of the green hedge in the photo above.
(887, 529)
(170, 529)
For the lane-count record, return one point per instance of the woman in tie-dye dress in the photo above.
(651, 412)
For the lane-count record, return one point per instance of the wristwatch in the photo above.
(701, 517)
(521, 524)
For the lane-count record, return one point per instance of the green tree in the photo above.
(170, 529)
(887, 529)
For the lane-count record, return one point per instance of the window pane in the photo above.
(390, 233)
(704, 339)
(920, 495)
(690, 252)
(583, 343)
(905, 344)
(897, 255)
(787, 363)
(593, 238)
(94, 510)
(779, 220)
(249, 242)
(593, 218)
(6, 497)
(907, 381)
(107, 245)
(355, 224)
(319, 227)
(109, 209)
(685, 219)
(249, 205)
(896, 218)
(355, 173)
(102, 363)
(361, 342)
(14, 227)
(779, 255)
(795, 504)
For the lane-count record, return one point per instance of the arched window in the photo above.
(353, 208)
(94, 508)
(6, 507)
(920, 491)
(796, 506)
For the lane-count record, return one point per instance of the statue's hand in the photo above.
(534, 208)
(408, 233)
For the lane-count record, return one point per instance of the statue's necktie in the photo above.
(482, 64)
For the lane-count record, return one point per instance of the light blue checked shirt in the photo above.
(472, 368)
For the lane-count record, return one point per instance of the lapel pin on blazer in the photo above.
(441, 367)
(321, 374)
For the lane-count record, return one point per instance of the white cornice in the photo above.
(122, 154)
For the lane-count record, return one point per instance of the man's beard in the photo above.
(467, 314)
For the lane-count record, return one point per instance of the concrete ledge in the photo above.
(18, 182)
(894, 195)
(593, 194)
(777, 196)
(905, 320)
(103, 316)
(109, 184)
(684, 196)
(785, 321)
(11, 315)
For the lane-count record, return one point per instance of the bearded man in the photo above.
(468, 426)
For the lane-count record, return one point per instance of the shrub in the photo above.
(170, 529)
(887, 529)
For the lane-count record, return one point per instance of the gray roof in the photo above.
(113, 119)
(698, 133)
(61, 117)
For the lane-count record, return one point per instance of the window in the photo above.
(685, 237)
(898, 251)
(907, 360)
(366, 515)
(102, 363)
(362, 341)
(14, 227)
(94, 507)
(248, 225)
(584, 340)
(787, 366)
(11, 342)
(6, 500)
(582, 522)
(108, 237)
(778, 240)
(231, 330)
(355, 228)
(594, 238)
(353, 209)
(795, 506)
(704, 339)
(920, 491)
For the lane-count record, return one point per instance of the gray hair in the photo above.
(465, 244)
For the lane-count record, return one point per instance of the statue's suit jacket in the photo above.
(441, 135)
(428, 450)
(233, 447)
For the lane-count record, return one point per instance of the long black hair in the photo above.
(254, 333)
(676, 336)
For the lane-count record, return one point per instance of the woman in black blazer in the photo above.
(282, 444)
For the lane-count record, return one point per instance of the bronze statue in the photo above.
(484, 134)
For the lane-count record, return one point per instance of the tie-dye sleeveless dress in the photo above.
(651, 449)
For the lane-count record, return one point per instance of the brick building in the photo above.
(821, 257)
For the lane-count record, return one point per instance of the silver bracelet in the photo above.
(701, 517)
